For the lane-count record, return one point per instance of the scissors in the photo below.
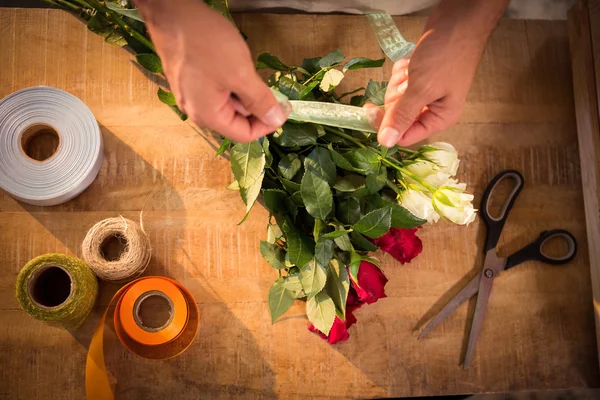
(494, 265)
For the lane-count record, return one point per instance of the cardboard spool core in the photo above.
(40, 142)
(50, 286)
(153, 311)
(113, 247)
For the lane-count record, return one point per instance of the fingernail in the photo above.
(275, 116)
(389, 137)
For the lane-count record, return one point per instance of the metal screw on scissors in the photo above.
(494, 265)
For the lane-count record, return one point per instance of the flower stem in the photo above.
(128, 30)
(393, 186)
(345, 136)
(412, 176)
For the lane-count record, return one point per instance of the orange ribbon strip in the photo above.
(166, 342)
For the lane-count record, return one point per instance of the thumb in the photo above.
(399, 116)
(257, 99)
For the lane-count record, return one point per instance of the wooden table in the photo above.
(539, 331)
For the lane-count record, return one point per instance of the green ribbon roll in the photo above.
(58, 289)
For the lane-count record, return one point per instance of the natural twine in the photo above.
(133, 260)
(79, 302)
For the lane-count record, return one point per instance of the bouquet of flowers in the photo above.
(334, 195)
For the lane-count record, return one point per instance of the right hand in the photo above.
(210, 69)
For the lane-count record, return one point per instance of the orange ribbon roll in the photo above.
(159, 343)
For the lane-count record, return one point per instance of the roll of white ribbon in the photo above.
(76, 161)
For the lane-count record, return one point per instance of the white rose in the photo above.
(428, 172)
(419, 204)
(452, 202)
(444, 156)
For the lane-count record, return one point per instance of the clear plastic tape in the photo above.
(331, 114)
(388, 36)
(77, 160)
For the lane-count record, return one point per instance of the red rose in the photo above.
(402, 244)
(371, 283)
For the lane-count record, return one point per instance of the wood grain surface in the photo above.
(539, 329)
(584, 34)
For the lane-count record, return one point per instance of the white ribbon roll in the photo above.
(77, 160)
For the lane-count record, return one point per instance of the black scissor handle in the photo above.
(535, 250)
(495, 224)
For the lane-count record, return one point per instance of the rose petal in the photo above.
(371, 283)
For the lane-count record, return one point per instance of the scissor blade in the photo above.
(485, 289)
(465, 294)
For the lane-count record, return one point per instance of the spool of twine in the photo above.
(132, 260)
(58, 289)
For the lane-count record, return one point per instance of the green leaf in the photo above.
(340, 161)
(354, 265)
(349, 183)
(132, 13)
(347, 211)
(297, 199)
(331, 79)
(234, 186)
(265, 145)
(290, 88)
(311, 65)
(266, 60)
(364, 159)
(376, 92)
(319, 162)
(151, 62)
(293, 284)
(224, 147)
(313, 276)
(401, 217)
(358, 101)
(247, 163)
(222, 7)
(333, 58)
(273, 233)
(290, 186)
(166, 97)
(337, 285)
(375, 224)
(316, 195)
(320, 310)
(249, 195)
(296, 135)
(362, 62)
(280, 300)
(361, 243)
(307, 90)
(343, 242)
(335, 234)
(289, 165)
(376, 182)
(274, 201)
(324, 251)
(290, 206)
(300, 248)
(272, 254)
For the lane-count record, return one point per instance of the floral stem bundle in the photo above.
(333, 194)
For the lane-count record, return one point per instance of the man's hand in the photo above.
(426, 94)
(210, 69)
